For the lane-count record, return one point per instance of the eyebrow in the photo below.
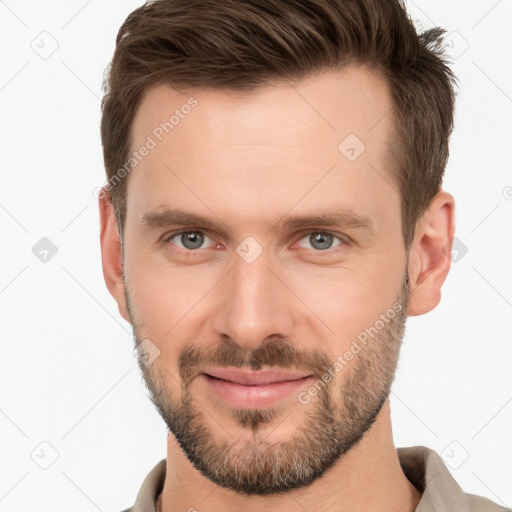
(343, 218)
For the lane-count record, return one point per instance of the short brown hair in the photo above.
(239, 45)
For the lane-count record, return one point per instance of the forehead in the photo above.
(322, 142)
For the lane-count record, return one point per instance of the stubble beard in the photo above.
(334, 422)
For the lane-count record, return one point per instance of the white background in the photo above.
(68, 374)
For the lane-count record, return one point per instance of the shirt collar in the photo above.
(425, 469)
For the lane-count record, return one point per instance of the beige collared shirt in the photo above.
(422, 466)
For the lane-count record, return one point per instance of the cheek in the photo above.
(161, 293)
(342, 307)
(343, 302)
(170, 306)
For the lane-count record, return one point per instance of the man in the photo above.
(273, 214)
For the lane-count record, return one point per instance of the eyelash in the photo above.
(345, 241)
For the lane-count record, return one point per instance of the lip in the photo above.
(253, 389)
(254, 378)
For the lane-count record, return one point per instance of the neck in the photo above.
(368, 477)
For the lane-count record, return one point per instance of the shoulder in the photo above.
(150, 489)
(427, 471)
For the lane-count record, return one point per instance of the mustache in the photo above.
(275, 353)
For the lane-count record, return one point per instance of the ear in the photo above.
(111, 252)
(430, 254)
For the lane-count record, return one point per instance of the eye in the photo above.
(189, 240)
(192, 240)
(321, 240)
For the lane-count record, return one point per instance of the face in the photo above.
(265, 272)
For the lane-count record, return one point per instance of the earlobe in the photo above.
(430, 254)
(111, 252)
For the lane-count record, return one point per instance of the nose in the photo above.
(255, 303)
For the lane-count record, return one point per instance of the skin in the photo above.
(249, 160)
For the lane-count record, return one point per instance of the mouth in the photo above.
(253, 389)
(254, 378)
